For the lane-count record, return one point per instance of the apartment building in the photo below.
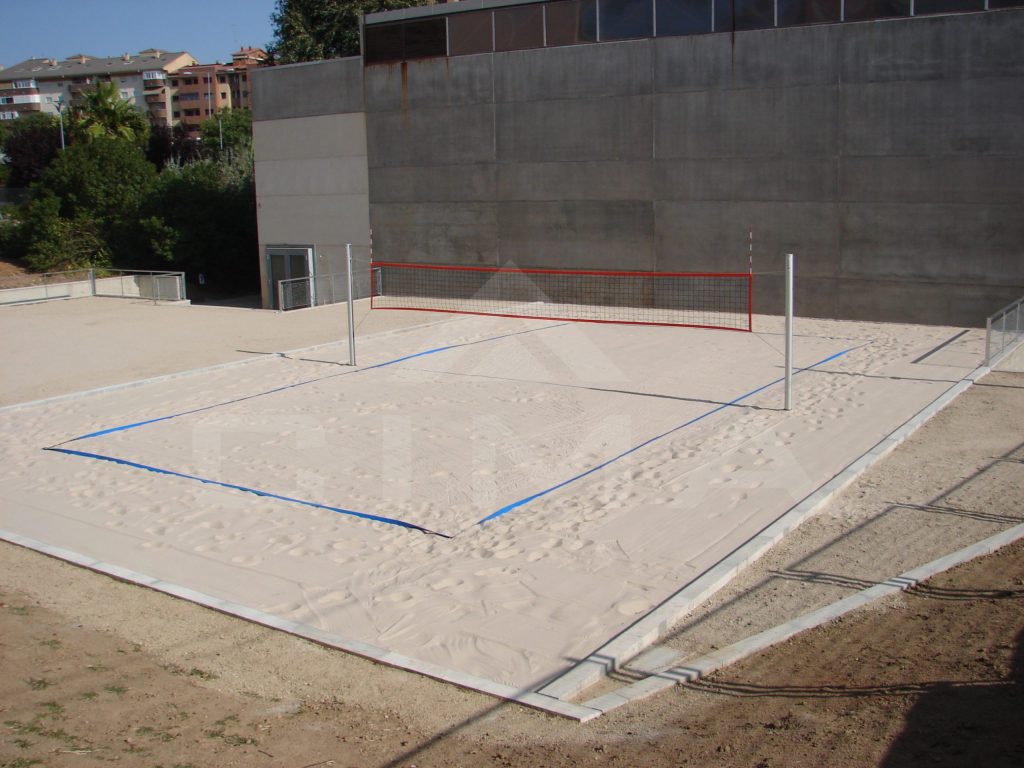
(43, 85)
(200, 91)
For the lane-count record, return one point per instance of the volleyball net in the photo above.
(693, 299)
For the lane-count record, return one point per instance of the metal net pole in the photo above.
(351, 309)
(789, 331)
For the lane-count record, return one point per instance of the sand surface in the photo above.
(95, 669)
(515, 600)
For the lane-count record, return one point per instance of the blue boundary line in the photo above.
(267, 494)
(254, 491)
(645, 443)
(379, 518)
(385, 364)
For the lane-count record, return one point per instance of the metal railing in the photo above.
(153, 285)
(312, 291)
(1003, 331)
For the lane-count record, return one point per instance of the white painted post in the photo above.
(789, 331)
(351, 309)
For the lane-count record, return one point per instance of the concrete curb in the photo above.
(708, 663)
(646, 631)
(375, 653)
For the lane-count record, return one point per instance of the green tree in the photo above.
(95, 189)
(52, 243)
(230, 132)
(309, 30)
(201, 218)
(104, 114)
(30, 143)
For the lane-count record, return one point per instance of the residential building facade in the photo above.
(45, 85)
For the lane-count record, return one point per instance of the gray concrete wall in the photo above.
(889, 156)
(309, 133)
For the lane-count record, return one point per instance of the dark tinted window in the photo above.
(683, 17)
(625, 19)
(795, 12)
(923, 7)
(519, 28)
(571, 22)
(405, 40)
(384, 42)
(723, 15)
(1005, 3)
(753, 14)
(470, 33)
(863, 10)
(425, 38)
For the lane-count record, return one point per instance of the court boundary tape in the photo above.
(57, 448)
(646, 631)
(527, 697)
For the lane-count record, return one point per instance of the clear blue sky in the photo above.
(211, 30)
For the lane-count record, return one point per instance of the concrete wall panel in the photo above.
(304, 90)
(934, 117)
(576, 72)
(979, 179)
(317, 176)
(613, 128)
(440, 136)
(611, 180)
(434, 183)
(309, 219)
(936, 48)
(747, 60)
(429, 83)
(731, 179)
(714, 236)
(436, 233)
(940, 242)
(324, 136)
(575, 234)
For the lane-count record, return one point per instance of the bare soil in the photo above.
(95, 670)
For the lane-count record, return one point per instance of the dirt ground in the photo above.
(96, 670)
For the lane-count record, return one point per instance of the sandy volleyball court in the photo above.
(628, 461)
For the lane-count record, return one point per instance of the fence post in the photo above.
(92, 281)
(351, 310)
(280, 295)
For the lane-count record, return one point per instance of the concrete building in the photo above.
(887, 153)
(40, 85)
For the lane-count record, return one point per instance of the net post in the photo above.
(351, 310)
(789, 331)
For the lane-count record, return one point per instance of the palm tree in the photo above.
(104, 113)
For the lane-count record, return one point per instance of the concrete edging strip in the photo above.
(711, 662)
(647, 630)
(528, 698)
